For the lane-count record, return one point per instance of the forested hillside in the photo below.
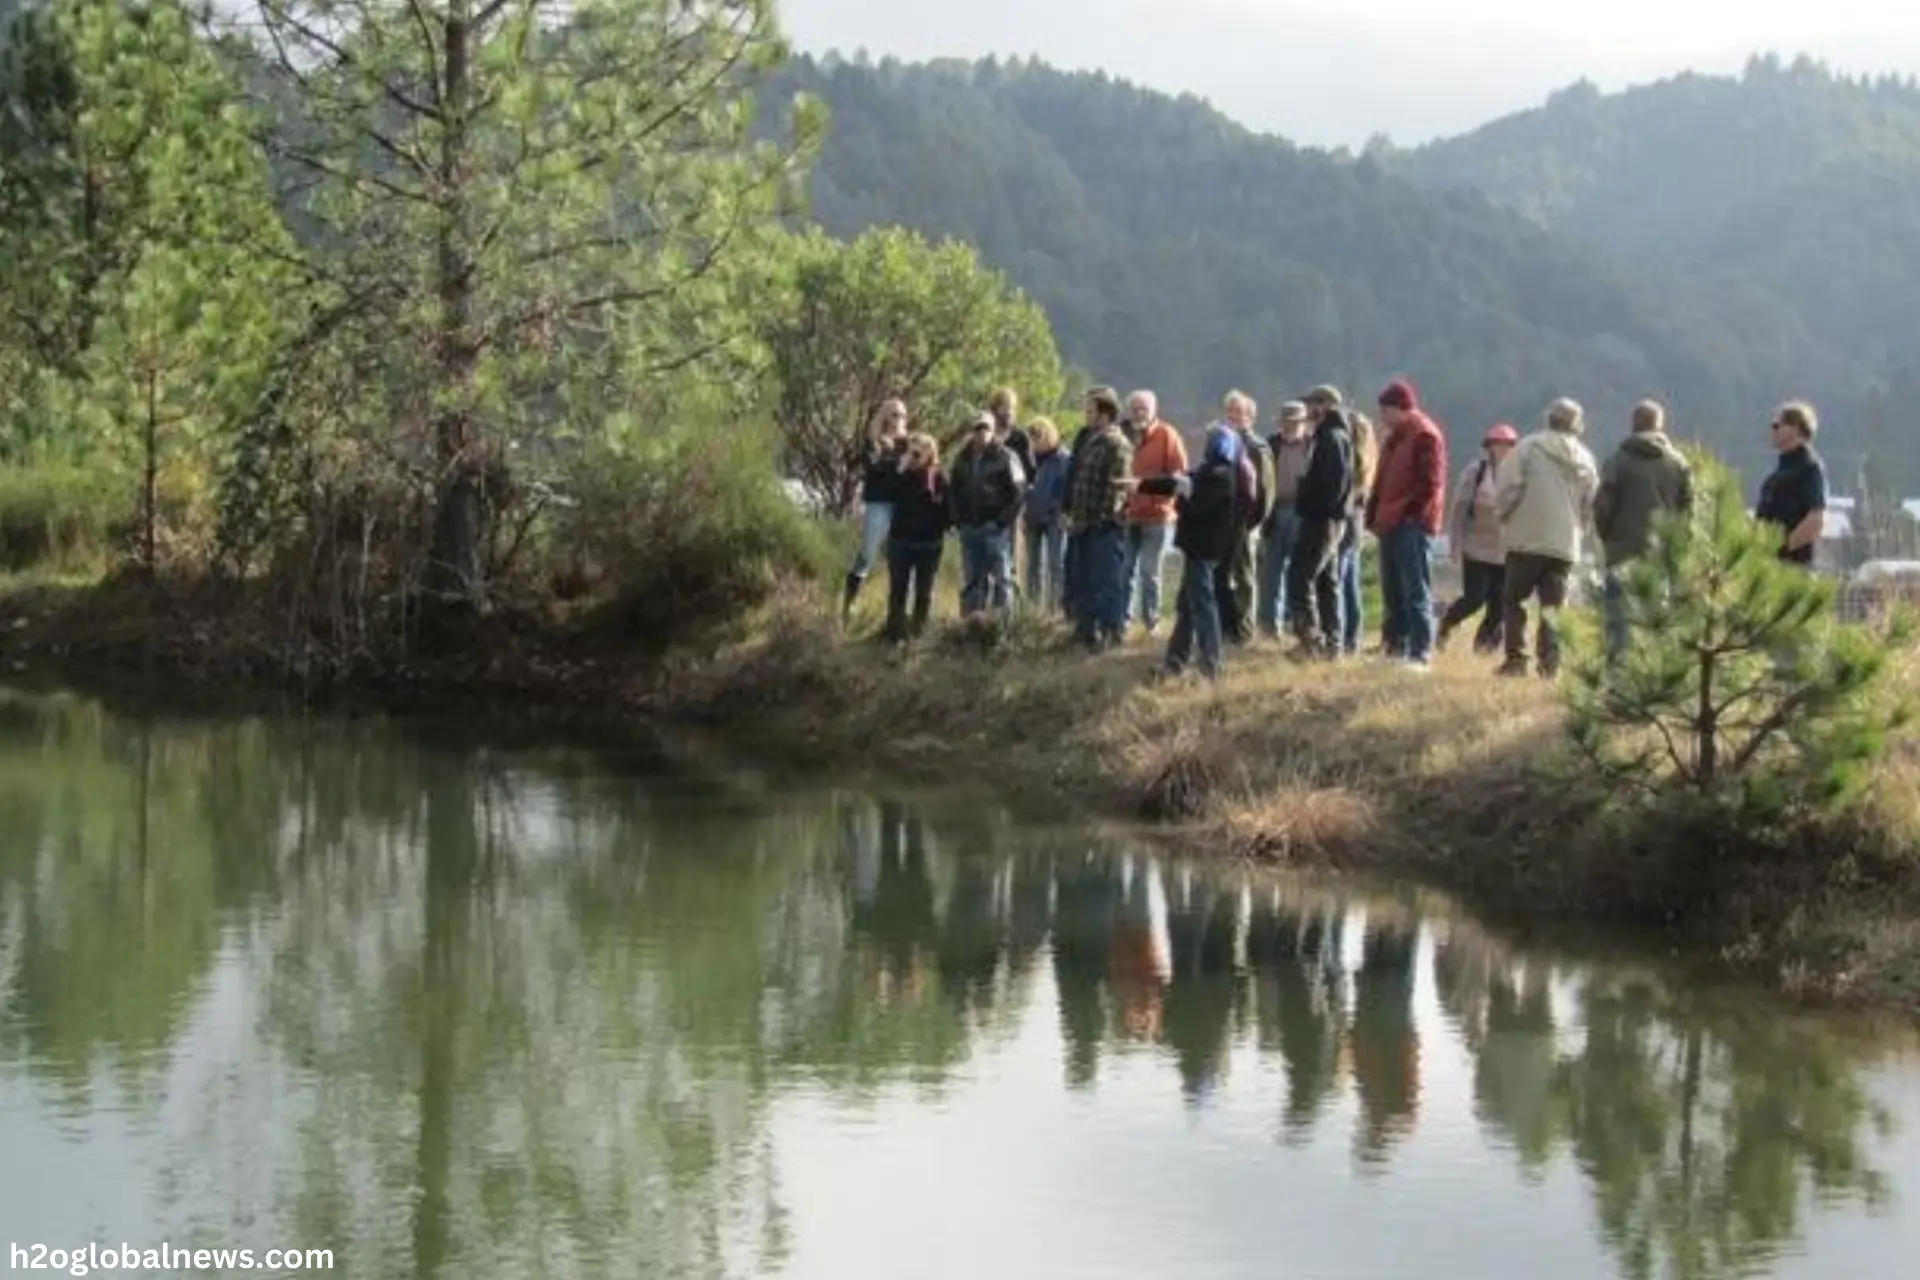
(1176, 249)
(1798, 181)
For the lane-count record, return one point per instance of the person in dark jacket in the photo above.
(1204, 532)
(1794, 497)
(987, 487)
(1322, 504)
(921, 516)
(886, 444)
(1646, 478)
(1045, 517)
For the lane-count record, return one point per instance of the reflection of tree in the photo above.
(1702, 1128)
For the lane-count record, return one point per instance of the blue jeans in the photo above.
(873, 539)
(1146, 568)
(1099, 587)
(986, 565)
(1614, 607)
(1197, 620)
(1276, 552)
(1406, 581)
(1046, 580)
(1353, 602)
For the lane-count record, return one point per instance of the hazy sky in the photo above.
(1325, 72)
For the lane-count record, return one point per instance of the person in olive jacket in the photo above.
(1204, 532)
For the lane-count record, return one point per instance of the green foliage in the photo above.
(686, 530)
(1789, 192)
(141, 250)
(61, 516)
(892, 315)
(1739, 685)
(537, 194)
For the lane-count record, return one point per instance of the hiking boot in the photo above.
(852, 593)
(1512, 667)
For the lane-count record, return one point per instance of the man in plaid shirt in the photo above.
(1096, 522)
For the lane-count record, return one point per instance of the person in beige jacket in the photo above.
(1473, 535)
(1544, 494)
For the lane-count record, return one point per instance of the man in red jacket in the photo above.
(1405, 514)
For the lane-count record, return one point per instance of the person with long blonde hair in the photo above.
(885, 450)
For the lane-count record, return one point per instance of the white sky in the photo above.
(1326, 73)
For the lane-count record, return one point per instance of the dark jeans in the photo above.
(1353, 601)
(1406, 583)
(1276, 553)
(1529, 575)
(915, 565)
(1196, 620)
(1482, 591)
(1098, 583)
(1313, 584)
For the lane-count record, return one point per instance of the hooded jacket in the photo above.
(1206, 517)
(1645, 478)
(1545, 495)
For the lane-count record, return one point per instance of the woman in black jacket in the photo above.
(1205, 537)
(922, 514)
(886, 448)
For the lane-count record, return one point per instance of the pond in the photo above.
(453, 1009)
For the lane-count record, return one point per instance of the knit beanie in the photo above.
(1399, 395)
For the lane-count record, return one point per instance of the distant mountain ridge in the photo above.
(1174, 248)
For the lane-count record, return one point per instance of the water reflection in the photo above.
(448, 1011)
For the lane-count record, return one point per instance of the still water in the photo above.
(451, 1010)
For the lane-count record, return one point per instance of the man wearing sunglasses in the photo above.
(1794, 497)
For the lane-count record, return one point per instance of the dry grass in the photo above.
(1453, 777)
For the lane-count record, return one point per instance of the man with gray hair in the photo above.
(1158, 451)
(1544, 495)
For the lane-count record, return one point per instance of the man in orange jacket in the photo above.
(1158, 451)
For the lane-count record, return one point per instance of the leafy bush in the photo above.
(1740, 687)
(61, 516)
(686, 532)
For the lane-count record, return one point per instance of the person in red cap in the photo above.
(1405, 513)
(1473, 536)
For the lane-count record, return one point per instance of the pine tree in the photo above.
(1740, 685)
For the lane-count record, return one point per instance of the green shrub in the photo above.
(1740, 692)
(685, 533)
(61, 516)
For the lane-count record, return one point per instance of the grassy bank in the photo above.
(1454, 778)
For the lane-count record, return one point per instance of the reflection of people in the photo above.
(1139, 966)
(1385, 1041)
(1087, 897)
(899, 919)
(1203, 930)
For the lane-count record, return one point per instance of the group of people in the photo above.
(1270, 530)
